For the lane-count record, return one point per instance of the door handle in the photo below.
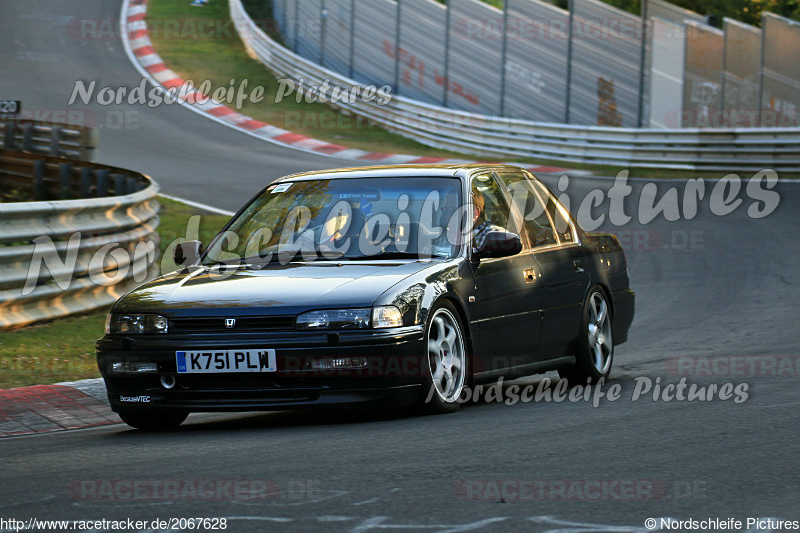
(578, 266)
(529, 274)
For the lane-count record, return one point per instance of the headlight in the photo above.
(386, 316)
(135, 324)
(334, 319)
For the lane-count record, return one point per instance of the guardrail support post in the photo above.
(119, 185)
(102, 183)
(89, 141)
(86, 182)
(64, 175)
(27, 138)
(11, 130)
(39, 189)
(131, 185)
(55, 141)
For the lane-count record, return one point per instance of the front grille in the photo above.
(243, 324)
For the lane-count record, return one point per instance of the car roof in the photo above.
(388, 171)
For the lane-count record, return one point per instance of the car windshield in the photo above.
(346, 219)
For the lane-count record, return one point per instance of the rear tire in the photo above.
(445, 364)
(595, 347)
(153, 419)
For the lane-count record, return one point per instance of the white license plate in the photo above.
(221, 361)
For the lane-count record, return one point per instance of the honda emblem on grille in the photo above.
(230, 323)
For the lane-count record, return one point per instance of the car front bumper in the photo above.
(395, 357)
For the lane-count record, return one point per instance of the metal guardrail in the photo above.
(46, 270)
(735, 149)
(63, 140)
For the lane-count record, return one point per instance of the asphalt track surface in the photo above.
(733, 292)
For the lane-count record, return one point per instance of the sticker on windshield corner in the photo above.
(283, 187)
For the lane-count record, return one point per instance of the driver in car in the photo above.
(480, 224)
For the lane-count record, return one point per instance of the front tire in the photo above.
(445, 364)
(595, 347)
(153, 419)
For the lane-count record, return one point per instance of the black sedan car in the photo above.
(398, 284)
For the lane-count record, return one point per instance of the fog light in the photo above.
(132, 367)
(337, 363)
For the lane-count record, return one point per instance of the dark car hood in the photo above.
(276, 289)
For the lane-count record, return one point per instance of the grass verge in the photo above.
(63, 349)
(219, 56)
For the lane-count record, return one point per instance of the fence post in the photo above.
(352, 37)
(503, 59)
(397, 47)
(642, 63)
(568, 98)
(296, 24)
(721, 103)
(324, 16)
(760, 102)
(285, 28)
(447, 53)
(685, 66)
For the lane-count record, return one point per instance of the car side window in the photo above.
(558, 214)
(535, 220)
(491, 210)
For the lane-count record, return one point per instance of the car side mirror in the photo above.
(498, 244)
(187, 253)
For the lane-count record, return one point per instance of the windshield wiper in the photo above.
(396, 255)
(294, 257)
(258, 261)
